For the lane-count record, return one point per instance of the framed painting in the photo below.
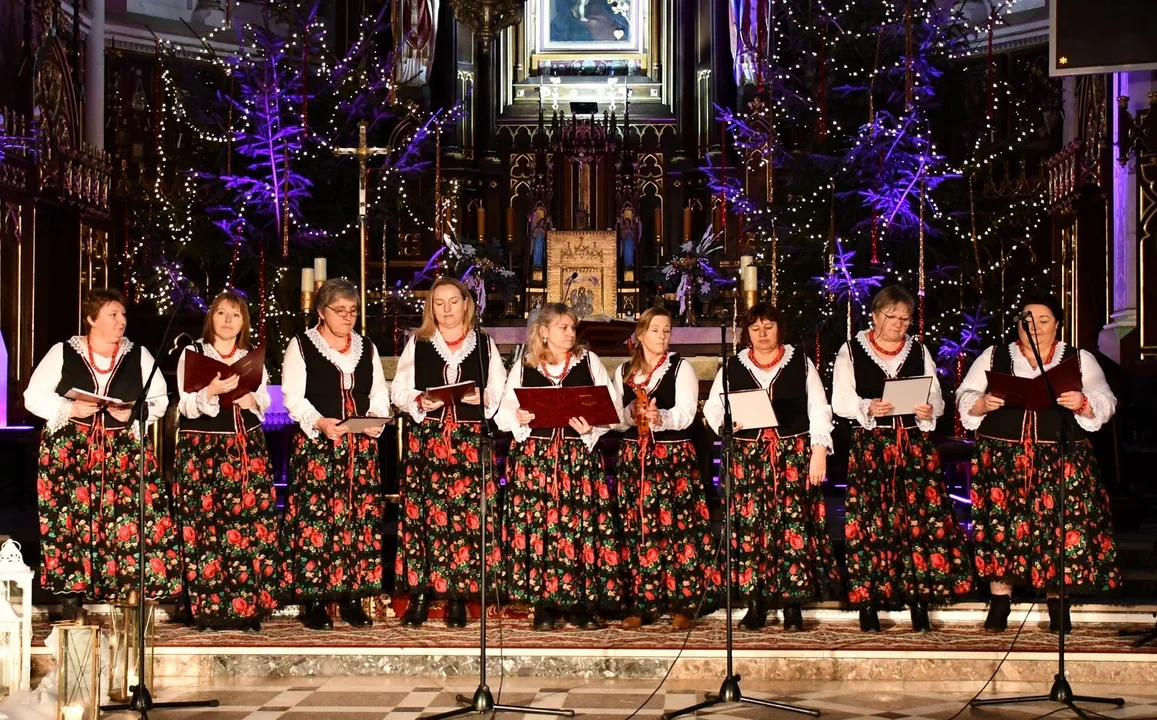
(583, 270)
(576, 26)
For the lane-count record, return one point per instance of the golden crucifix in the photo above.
(363, 153)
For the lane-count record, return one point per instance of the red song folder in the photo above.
(553, 407)
(451, 394)
(200, 370)
(1032, 393)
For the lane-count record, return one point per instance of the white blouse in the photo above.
(678, 417)
(293, 376)
(1093, 385)
(405, 395)
(42, 400)
(847, 402)
(819, 413)
(195, 404)
(507, 417)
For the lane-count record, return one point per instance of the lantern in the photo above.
(126, 616)
(16, 592)
(9, 649)
(78, 668)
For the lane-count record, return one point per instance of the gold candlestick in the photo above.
(306, 301)
(750, 297)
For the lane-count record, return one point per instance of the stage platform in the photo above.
(832, 648)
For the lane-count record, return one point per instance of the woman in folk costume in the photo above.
(904, 545)
(559, 549)
(333, 520)
(1016, 469)
(782, 555)
(666, 540)
(440, 491)
(227, 507)
(89, 479)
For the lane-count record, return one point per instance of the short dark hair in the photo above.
(763, 311)
(893, 295)
(1048, 300)
(335, 289)
(95, 300)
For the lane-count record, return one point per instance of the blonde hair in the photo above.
(429, 324)
(335, 289)
(233, 298)
(638, 362)
(536, 352)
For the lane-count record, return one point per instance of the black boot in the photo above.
(315, 617)
(869, 620)
(793, 618)
(998, 610)
(583, 619)
(543, 618)
(1056, 617)
(71, 607)
(418, 611)
(456, 612)
(756, 617)
(920, 621)
(354, 614)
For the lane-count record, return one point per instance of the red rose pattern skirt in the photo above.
(558, 534)
(667, 554)
(779, 541)
(332, 532)
(87, 490)
(1015, 521)
(227, 517)
(439, 527)
(903, 540)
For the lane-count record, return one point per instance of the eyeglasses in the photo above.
(903, 320)
(342, 313)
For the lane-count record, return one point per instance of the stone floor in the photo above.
(349, 698)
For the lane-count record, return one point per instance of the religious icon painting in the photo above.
(583, 25)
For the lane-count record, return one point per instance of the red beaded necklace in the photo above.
(647, 383)
(882, 351)
(92, 359)
(349, 341)
(1030, 357)
(565, 368)
(774, 361)
(231, 353)
(453, 344)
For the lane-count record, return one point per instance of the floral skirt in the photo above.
(667, 554)
(88, 490)
(779, 544)
(903, 540)
(332, 532)
(439, 529)
(1016, 527)
(558, 533)
(227, 514)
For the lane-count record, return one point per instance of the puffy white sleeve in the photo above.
(41, 398)
(846, 402)
(682, 415)
(713, 405)
(194, 404)
(819, 412)
(293, 377)
(262, 396)
(158, 394)
(626, 414)
(404, 393)
(599, 375)
(379, 388)
(507, 417)
(495, 379)
(935, 397)
(1096, 389)
(974, 384)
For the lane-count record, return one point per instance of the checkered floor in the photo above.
(351, 698)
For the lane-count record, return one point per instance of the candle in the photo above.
(481, 224)
(750, 275)
(307, 280)
(687, 223)
(72, 712)
(659, 226)
(745, 261)
(319, 270)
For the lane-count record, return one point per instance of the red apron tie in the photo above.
(771, 437)
(449, 425)
(1028, 431)
(901, 439)
(242, 447)
(644, 448)
(98, 440)
(350, 410)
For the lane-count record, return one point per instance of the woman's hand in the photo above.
(1075, 400)
(985, 404)
(122, 413)
(736, 427)
(248, 401)
(923, 412)
(427, 404)
(82, 409)
(471, 398)
(374, 432)
(879, 408)
(524, 417)
(580, 425)
(652, 413)
(330, 428)
(818, 468)
(220, 387)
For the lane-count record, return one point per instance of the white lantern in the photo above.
(9, 650)
(16, 594)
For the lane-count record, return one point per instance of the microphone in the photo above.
(566, 291)
(1023, 318)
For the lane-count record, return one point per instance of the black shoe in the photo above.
(998, 610)
(354, 614)
(920, 621)
(1055, 617)
(584, 619)
(203, 625)
(456, 613)
(71, 607)
(543, 618)
(793, 618)
(418, 611)
(315, 617)
(756, 617)
(869, 620)
(254, 626)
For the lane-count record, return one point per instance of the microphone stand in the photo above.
(483, 700)
(141, 700)
(1060, 692)
(729, 691)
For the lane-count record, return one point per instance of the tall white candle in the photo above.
(319, 270)
(750, 278)
(745, 261)
(72, 712)
(307, 280)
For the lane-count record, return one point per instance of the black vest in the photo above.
(788, 395)
(1008, 422)
(580, 374)
(225, 422)
(430, 371)
(664, 397)
(125, 384)
(870, 377)
(323, 380)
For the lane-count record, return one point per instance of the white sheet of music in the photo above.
(752, 410)
(906, 393)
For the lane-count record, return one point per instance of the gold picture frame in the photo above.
(593, 255)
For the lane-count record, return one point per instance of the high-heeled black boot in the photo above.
(998, 610)
(543, 618)
(756, 617)
(315, 617)
(418, 611)
(456, 612)
(71, 606)
(920, 620)
(1057, 616)
(793, 618)
(869, 620)
(354, 614)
